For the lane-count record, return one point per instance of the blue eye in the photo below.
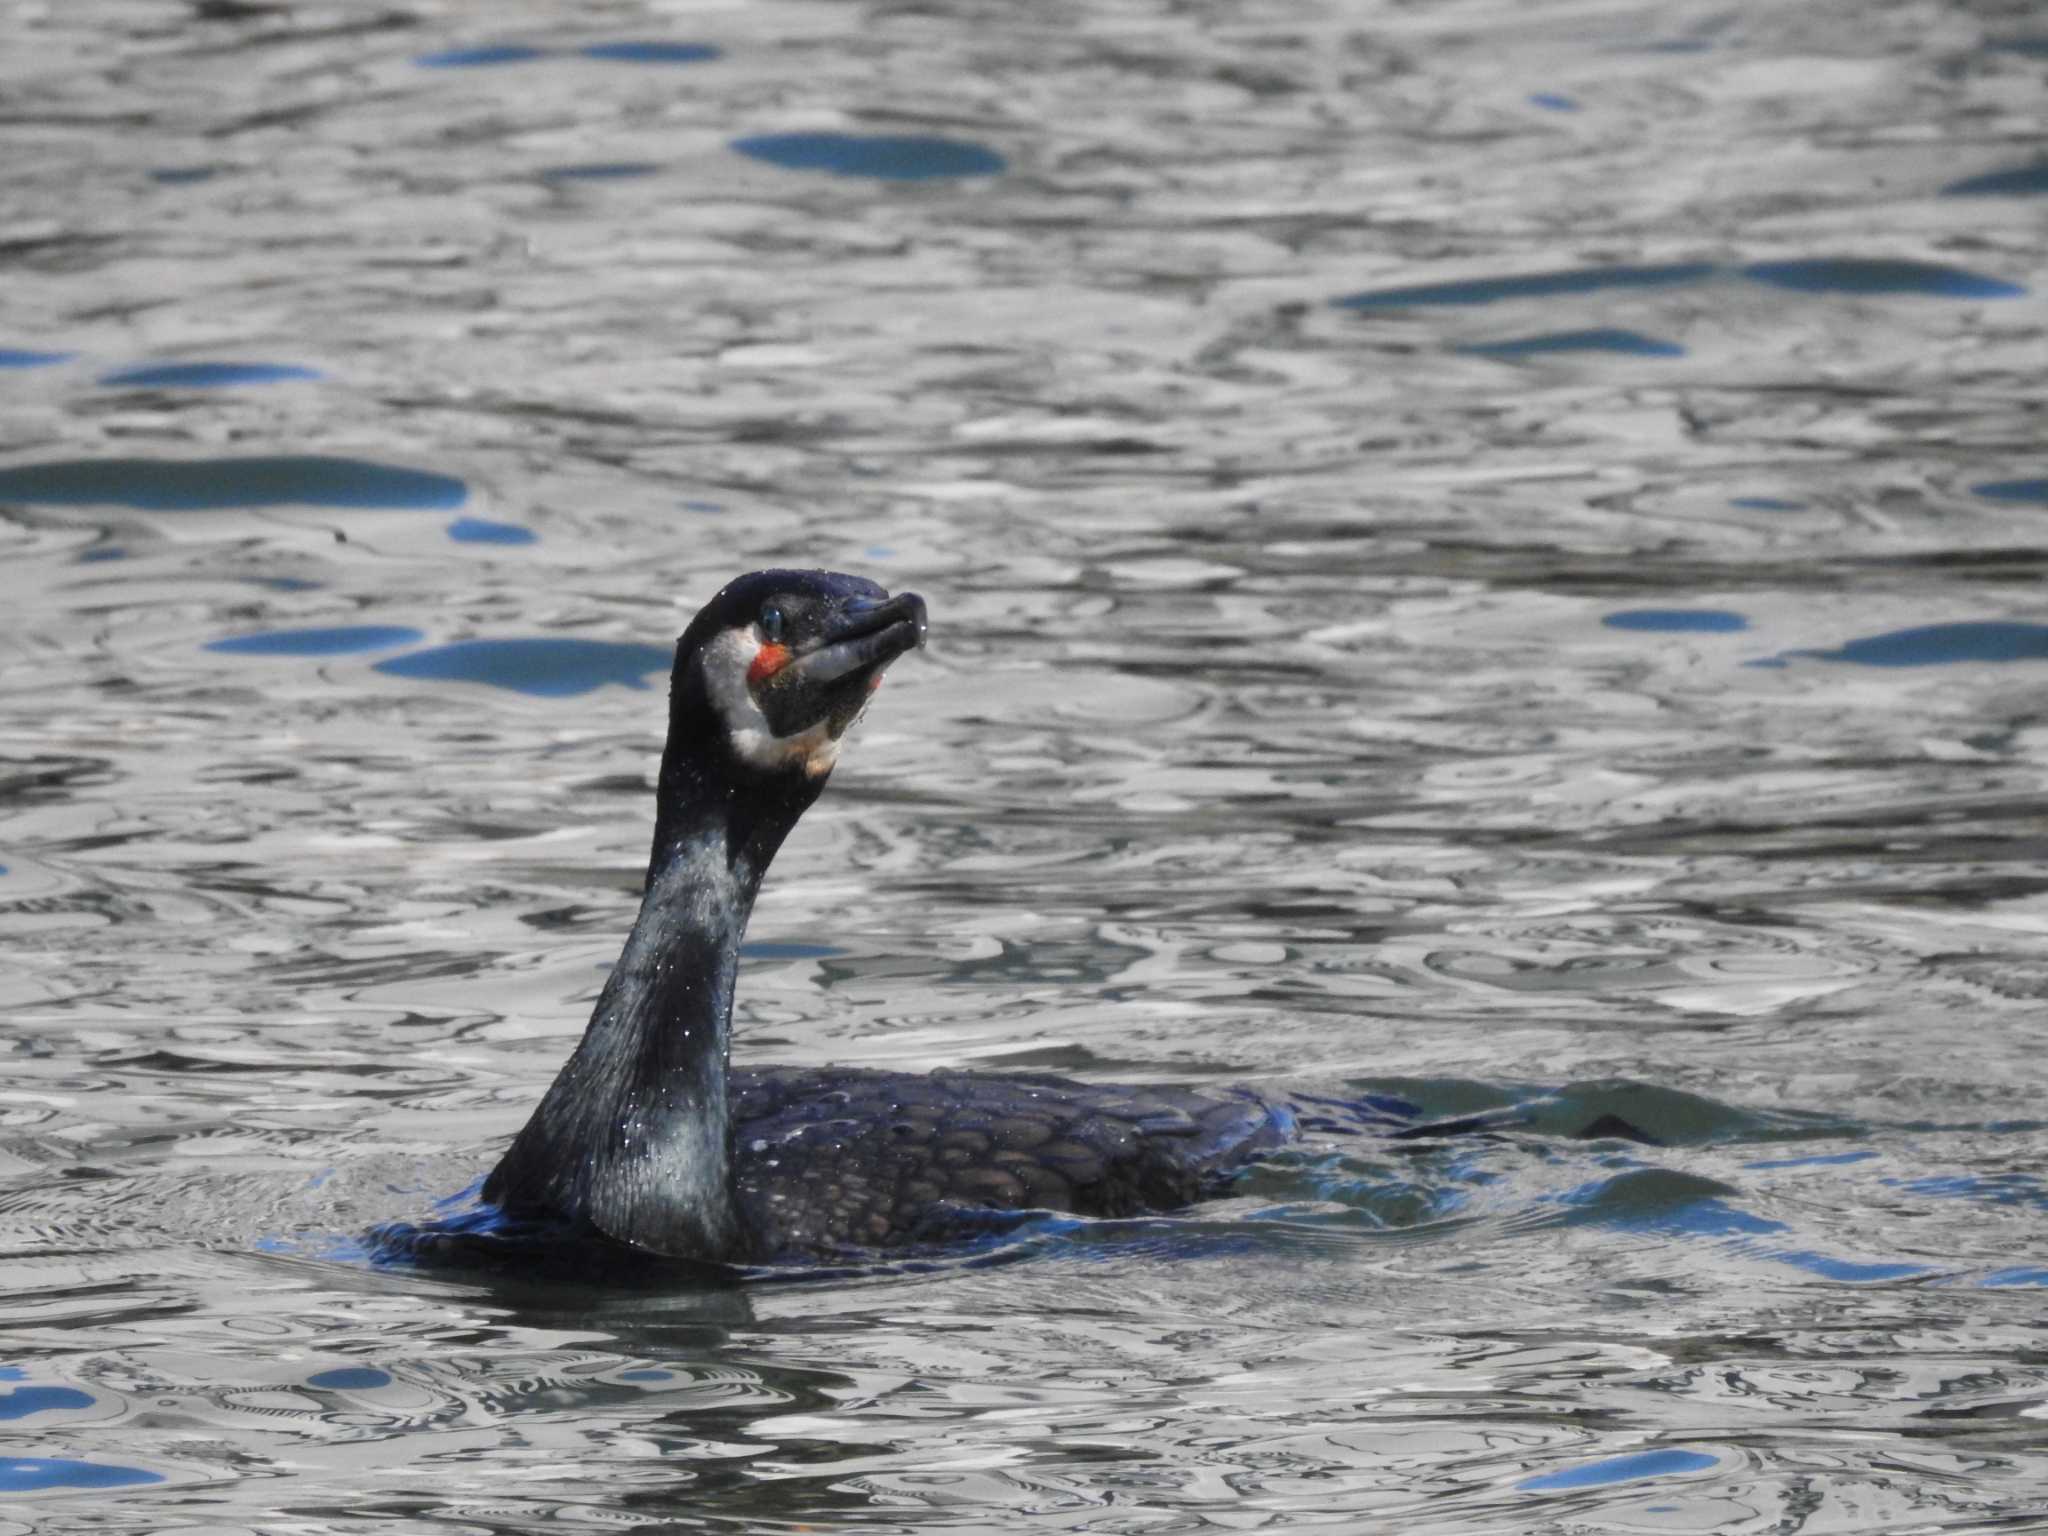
(770, 624)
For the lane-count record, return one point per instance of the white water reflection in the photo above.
(1479, 555)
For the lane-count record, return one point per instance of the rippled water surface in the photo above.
(1484, 552)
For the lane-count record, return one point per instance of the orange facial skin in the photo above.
(768, 661)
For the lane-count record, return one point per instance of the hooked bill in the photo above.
(785, 706)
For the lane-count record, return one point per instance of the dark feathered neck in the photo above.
(634, 1137)
(703, 791)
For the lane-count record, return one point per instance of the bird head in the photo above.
(780, 663)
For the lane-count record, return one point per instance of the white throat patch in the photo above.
(725, 662)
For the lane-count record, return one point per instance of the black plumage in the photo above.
(832, 1160)
(647, 1144)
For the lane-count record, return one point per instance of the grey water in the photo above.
(1488, 554)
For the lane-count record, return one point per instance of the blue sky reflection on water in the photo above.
(625, 51)
(1871, 275)
(191, 485)
(480, 56)
(350, 1378)
(1817, 1160)
(884, 157)
(205, 375)
(336, 640)
(38, 1474)
(482, 530)
(1531, 285)
(2017, 1277)
(1804, 274)
(2017, 181)
(603, 170)
(543, 666)
(650, 51)
(20, 1402)
(1602, 338)
(1939, 645)
(1634, 1467)
(2028, 490)
(1677, 621)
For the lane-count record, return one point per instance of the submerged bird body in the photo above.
(830, 1160)
(647, 1140)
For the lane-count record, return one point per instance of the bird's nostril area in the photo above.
(857, 610)
(870, 613)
